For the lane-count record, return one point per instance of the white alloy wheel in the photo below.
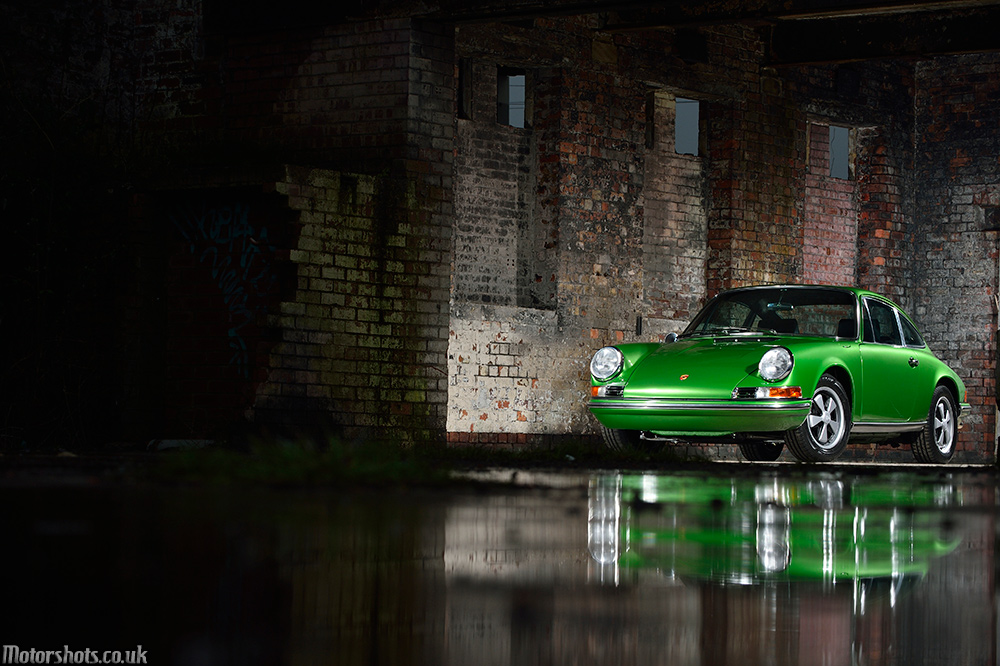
(822, 437)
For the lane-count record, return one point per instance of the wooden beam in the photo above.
(657, 14)
(686, 13)
(916, 35)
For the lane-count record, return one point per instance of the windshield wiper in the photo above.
(731, 330)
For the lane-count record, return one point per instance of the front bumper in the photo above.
(963, 410)
(699, 417)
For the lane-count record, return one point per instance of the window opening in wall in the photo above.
(840, 152)
(651, 119)
(511, 97)
(465, 89)
(686, 123)
(991, 215)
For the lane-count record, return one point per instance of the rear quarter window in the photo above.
(911, 338)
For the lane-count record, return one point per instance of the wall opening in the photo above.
(840, 152)
(512, 97)
(464, 96)
(687, 126)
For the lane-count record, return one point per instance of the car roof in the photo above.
(857, 291)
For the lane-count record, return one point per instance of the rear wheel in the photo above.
(761, 450)
(936, 442)
(822, 437)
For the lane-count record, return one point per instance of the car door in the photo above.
(893, 374)
(922, 377)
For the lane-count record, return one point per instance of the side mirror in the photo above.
(670, 337)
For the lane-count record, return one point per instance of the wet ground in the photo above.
(709, 565)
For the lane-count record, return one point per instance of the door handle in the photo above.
(914, 362)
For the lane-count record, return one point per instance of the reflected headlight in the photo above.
(773, 547)
(606, 363)
(775, 364)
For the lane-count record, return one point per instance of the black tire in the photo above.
(759, 450)
(936, 442)
(822, 437)
(628, 441)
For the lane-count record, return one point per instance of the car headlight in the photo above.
(775, 364)
(606, 363)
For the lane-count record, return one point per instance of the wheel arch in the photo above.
(842, 375)
(952, 387)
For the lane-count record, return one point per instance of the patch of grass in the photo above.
(569, 454)
(331, 462)
(302, 462)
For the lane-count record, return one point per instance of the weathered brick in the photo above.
(515, 252)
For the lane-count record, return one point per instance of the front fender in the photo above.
(632, 353)
(843, 362)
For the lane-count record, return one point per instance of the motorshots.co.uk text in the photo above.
(13, 654)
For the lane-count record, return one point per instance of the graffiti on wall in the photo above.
(239, 256)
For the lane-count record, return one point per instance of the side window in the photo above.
(869, 333)
(884, 329)
(910, 336)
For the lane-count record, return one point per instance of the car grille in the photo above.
(744, 393)
(614, 391)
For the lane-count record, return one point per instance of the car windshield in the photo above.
(783, 310)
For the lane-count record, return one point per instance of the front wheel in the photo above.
(822, 437)
(936, 442)
(761, 450)
(627, 441)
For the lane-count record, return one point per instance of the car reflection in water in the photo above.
(787, 567)
(825, 558)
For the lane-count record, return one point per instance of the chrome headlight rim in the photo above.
(606, 363)
(776, 364)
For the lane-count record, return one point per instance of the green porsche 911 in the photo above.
(775, 365)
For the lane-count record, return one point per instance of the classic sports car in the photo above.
(776, 365)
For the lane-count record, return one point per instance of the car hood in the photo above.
(697, 368)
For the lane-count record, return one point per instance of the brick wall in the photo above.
(456, 274)
(506, 355)
(757, 150)
(760, 207)
(362, 338)
(830, 227)
(638, 231)
(954, 272)
(494, 201)
(358, 342)
(674, 239)
(548, 232)
(874, 100)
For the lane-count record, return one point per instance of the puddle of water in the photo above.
(779, 567)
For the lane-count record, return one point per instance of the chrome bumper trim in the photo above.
(963, 410)
(723, 405)
(869, 428)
